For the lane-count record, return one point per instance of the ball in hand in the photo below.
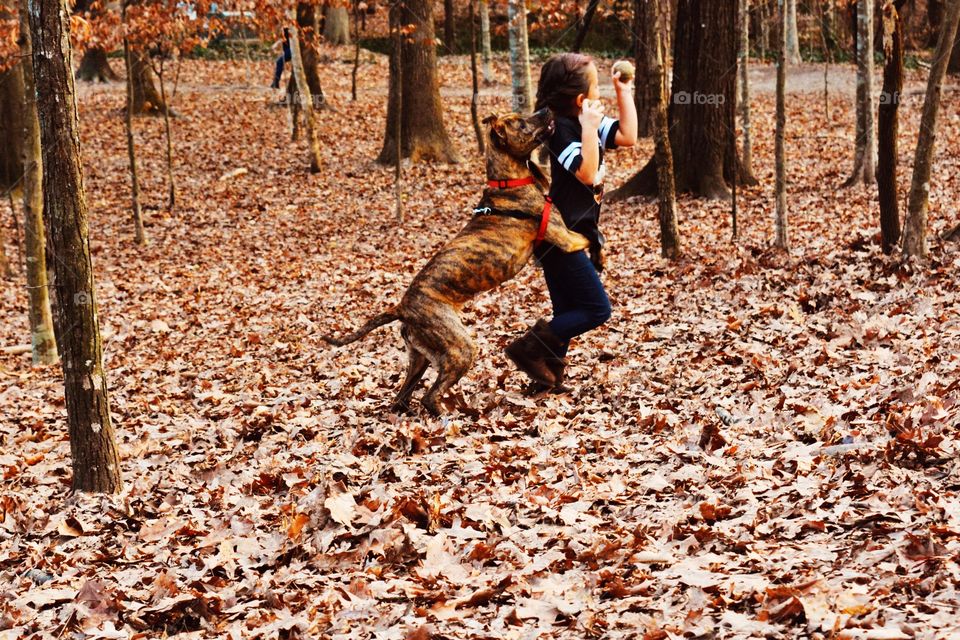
(626, 69)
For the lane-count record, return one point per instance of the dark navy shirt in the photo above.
(578, 203)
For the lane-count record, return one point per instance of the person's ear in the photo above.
(580, 98)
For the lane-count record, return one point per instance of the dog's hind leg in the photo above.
(454, 360)
(416, 366)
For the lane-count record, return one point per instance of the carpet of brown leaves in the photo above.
(757, 445)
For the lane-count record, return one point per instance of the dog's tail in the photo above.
(374, 322)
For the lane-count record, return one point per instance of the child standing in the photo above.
(569, 87)
(282, 58)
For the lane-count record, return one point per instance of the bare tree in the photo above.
(522, 85)
(96, 463)
(42, 341)
(305, 100)
(888, 124)
(782, 239)
(744, 55)
(670, 246)
(417, 108)
(865, 146)
(139, 235)
(793, 33)
(915, 224)
(485, 41)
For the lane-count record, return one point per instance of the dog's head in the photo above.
(517, 135)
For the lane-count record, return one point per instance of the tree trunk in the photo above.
(139, 236)
(702, 106)
(584, 25)
(915, 224)
(356, 50)
(11, 128)
(888, 125)
(146, 97)
(646, 25)
(42, 340)
(865, 146)
(449, 27)
(336, 28)
(667, 196)
(305, 100)
(934, 20)
(309, 51)
(474, 116)
(96, 463)
(782, 238)
(95, 67)
(522, 85)
(485, 41)
(423, 135)
(745, 86)
(954, 66)
(793, 36)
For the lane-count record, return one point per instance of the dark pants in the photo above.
(278, 72)
(579, 301)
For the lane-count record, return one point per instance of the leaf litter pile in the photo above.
(756, 445)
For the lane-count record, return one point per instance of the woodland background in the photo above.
(758, 444)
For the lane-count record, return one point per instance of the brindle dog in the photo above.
(490, 250)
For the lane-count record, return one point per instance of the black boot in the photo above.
(536, 353)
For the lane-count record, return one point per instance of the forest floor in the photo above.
(756, 444)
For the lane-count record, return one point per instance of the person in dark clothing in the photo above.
(569, 87)
(282, 59)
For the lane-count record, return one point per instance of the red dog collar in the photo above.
(509, 184)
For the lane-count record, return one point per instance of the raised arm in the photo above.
(627, 132)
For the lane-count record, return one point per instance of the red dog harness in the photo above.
(521, 182)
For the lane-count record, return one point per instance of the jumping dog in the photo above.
(512, 217)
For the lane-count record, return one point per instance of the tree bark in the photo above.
(934, 21)
(782, 236)
(915, 224)
(646, 25)
(954, 66)
(522, 85)
(865, 146)
(96, 463)
(42, 340)
(336, 28)
(702, 106)
(474, 116)
(305, 100)
(146, 97)
(95, 67)
(888, 125)
(308, 23)
(670, 246)
(139, 235)
(423, 135)
(11, 128)
(793, 36)
(585, 25)
(449, 26)
(744, 55)
(485, 41)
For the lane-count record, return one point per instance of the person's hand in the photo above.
(591, 115)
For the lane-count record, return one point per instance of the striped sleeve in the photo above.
(608, 132)
(565, 145)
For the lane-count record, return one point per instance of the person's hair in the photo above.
(286, 33)
(562, 78)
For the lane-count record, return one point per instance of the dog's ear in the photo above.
(491, 118)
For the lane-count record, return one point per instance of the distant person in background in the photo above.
(283, 58)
